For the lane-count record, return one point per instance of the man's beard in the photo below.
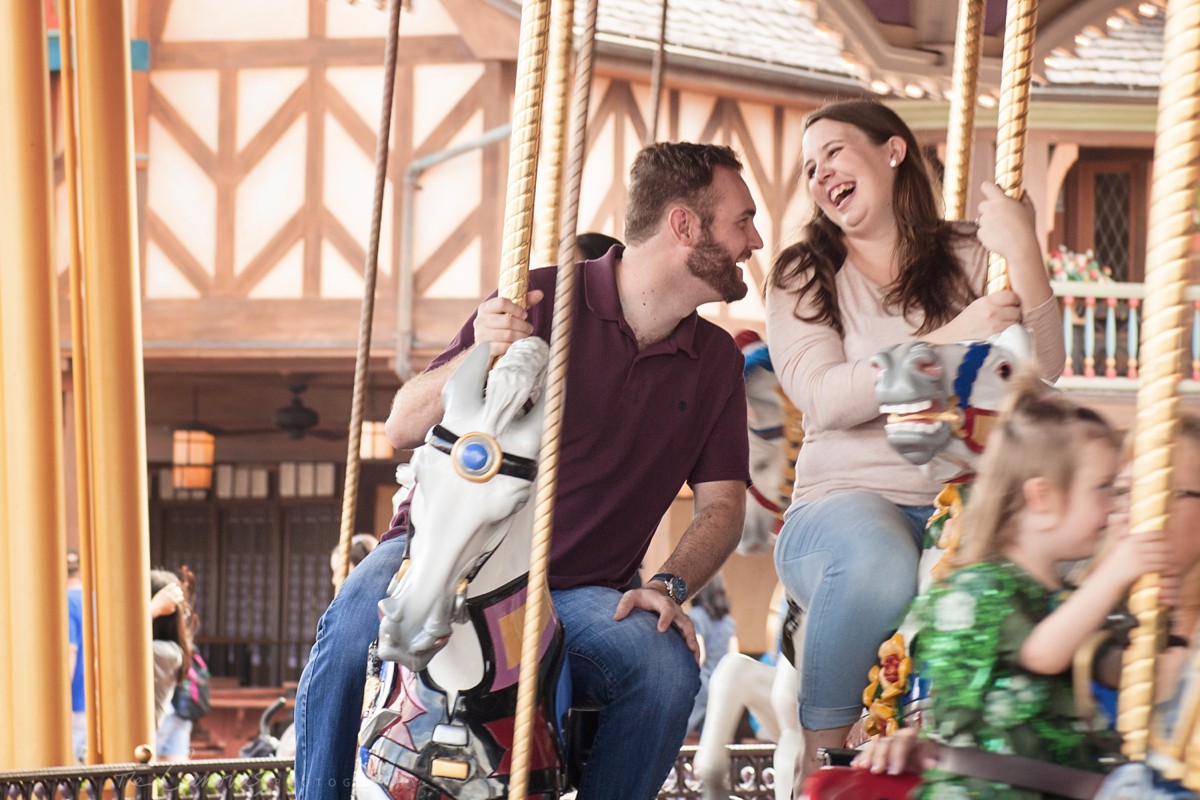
(711, 263)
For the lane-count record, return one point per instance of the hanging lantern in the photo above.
(374, 445)
(192, 459)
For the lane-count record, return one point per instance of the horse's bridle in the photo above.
(477, 457)
(964, 384)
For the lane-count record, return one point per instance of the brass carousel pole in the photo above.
(550, 185)
(370, 271)
(1016, 68)
(35, 720)
(112, 296)
(79, 378)
(1172, 206)
(514, 278)
(960, 132)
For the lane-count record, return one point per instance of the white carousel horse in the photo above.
(442, 679)
(769, 693)
(767, 496)
(740, 682)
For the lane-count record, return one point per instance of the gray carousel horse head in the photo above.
(474, 474)
(942, 399)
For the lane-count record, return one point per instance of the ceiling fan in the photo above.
(295, 419)
(298, 420)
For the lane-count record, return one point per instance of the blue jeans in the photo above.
(645, 680)
(850, 561)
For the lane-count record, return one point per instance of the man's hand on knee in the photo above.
(669, 614)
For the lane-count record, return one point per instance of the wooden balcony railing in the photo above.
(1101, 326)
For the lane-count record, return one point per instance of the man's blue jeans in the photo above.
(645, 680)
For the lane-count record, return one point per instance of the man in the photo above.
(654, 398)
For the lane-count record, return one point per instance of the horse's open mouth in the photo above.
(923, 416)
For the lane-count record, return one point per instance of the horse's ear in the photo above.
(463, 393)
(1016, 340)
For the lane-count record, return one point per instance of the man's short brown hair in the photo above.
(672, 172)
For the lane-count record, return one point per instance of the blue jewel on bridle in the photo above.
(478, 457)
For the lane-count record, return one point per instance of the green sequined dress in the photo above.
(971, 628)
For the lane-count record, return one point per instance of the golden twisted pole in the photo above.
(1172, 206)
(79, 373)
(513, 280)
(960, 135)
(549, 192)
(523, 152)
(658, 67)
(1016, 66)
(370, 271)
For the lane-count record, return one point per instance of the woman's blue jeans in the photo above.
(645, 680)
(850, 561)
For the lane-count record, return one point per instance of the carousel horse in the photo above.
(440, 700)
(767, 497)
(768, 691)
(739, 681)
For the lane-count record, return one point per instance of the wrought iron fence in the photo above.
(241, 779)
(751, 777)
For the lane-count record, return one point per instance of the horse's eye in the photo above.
(1004, 370)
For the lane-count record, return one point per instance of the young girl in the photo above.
(997, 637)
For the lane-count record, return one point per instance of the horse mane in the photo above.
(514, 383)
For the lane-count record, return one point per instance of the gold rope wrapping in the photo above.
(549, 190)
(370, 271)
(556, 382)
(1172, 205)
(523, 151)
(960, 137)
(1014, 114)
(658, 67)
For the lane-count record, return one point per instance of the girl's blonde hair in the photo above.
(1039, 435)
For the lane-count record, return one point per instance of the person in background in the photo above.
(75, 632)
(716, 629)
(591, 245)
(361, 545)
(171, 646)
(174, 731)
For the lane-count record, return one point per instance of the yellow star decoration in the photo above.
(888, 682)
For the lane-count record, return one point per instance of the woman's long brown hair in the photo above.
(931, 280)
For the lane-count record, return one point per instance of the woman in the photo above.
(171, 647)
(876, 265)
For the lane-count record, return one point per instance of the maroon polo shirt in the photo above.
(636, 426)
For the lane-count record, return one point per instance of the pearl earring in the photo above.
(892, 163)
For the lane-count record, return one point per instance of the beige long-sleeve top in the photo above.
(831, 380)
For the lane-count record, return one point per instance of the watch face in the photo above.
(678, 589)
